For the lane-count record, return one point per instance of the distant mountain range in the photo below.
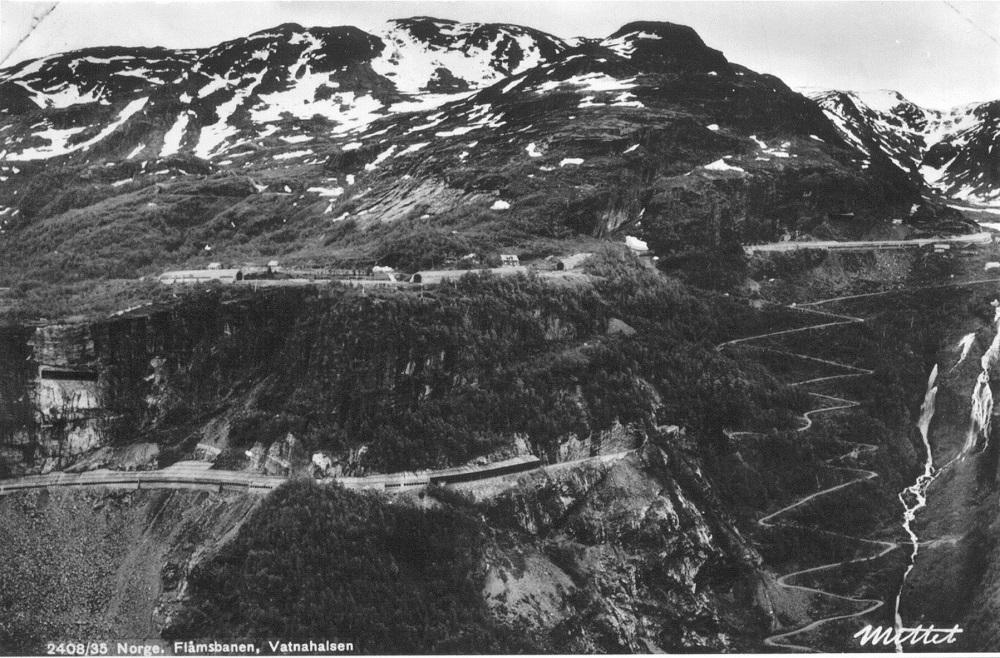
(954, 152)
(501, 135)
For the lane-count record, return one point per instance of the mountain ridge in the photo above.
(333, 145)
(954, 152)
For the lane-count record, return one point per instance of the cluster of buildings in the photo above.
(273, 274)
(215, 272)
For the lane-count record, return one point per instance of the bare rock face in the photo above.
(134, 457)
(613, 555)
(616, 438)
(525, 588)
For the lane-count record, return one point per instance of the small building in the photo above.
(215, 266)
(201, 276)
(509, 260)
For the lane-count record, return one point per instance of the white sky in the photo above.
(938, 54)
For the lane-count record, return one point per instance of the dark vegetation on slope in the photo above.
(900, 341)
(440, 376)
(744, 478)
(543, 339)
(322, 562)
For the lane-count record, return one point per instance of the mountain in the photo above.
(427, 141)
(216, 99)
(955, 152)
(719, 472)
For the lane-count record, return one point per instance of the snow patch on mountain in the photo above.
(59, 139)
(588, 82)
(625, 44)
(380, 158)
(58, 144)
(460, 52)
(721, 165)
(881, 100)
(172, 138)
(326, 191)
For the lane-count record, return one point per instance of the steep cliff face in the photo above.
(394, 381)
(622, 552)
(75, 388)
(235, 372)
(955, 579)
(98, 565)
(626, 552)
(615, 553)
(50, 398)
(17, 378)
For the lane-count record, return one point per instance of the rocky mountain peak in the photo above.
(665, 46)
(951, 152)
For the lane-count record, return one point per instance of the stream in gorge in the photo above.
(952, 433)
(947, 500)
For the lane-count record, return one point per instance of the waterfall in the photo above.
(914, 497)
(965, 345)
(982, 410)
(982, 396)
(927, 409)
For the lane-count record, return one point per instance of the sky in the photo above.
(938, 54)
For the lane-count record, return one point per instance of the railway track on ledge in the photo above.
(196, 475)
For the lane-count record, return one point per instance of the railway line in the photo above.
(198, 475)
(984, 237)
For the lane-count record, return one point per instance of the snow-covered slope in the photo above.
(288, 79)
(338, 145)
(954, 152)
